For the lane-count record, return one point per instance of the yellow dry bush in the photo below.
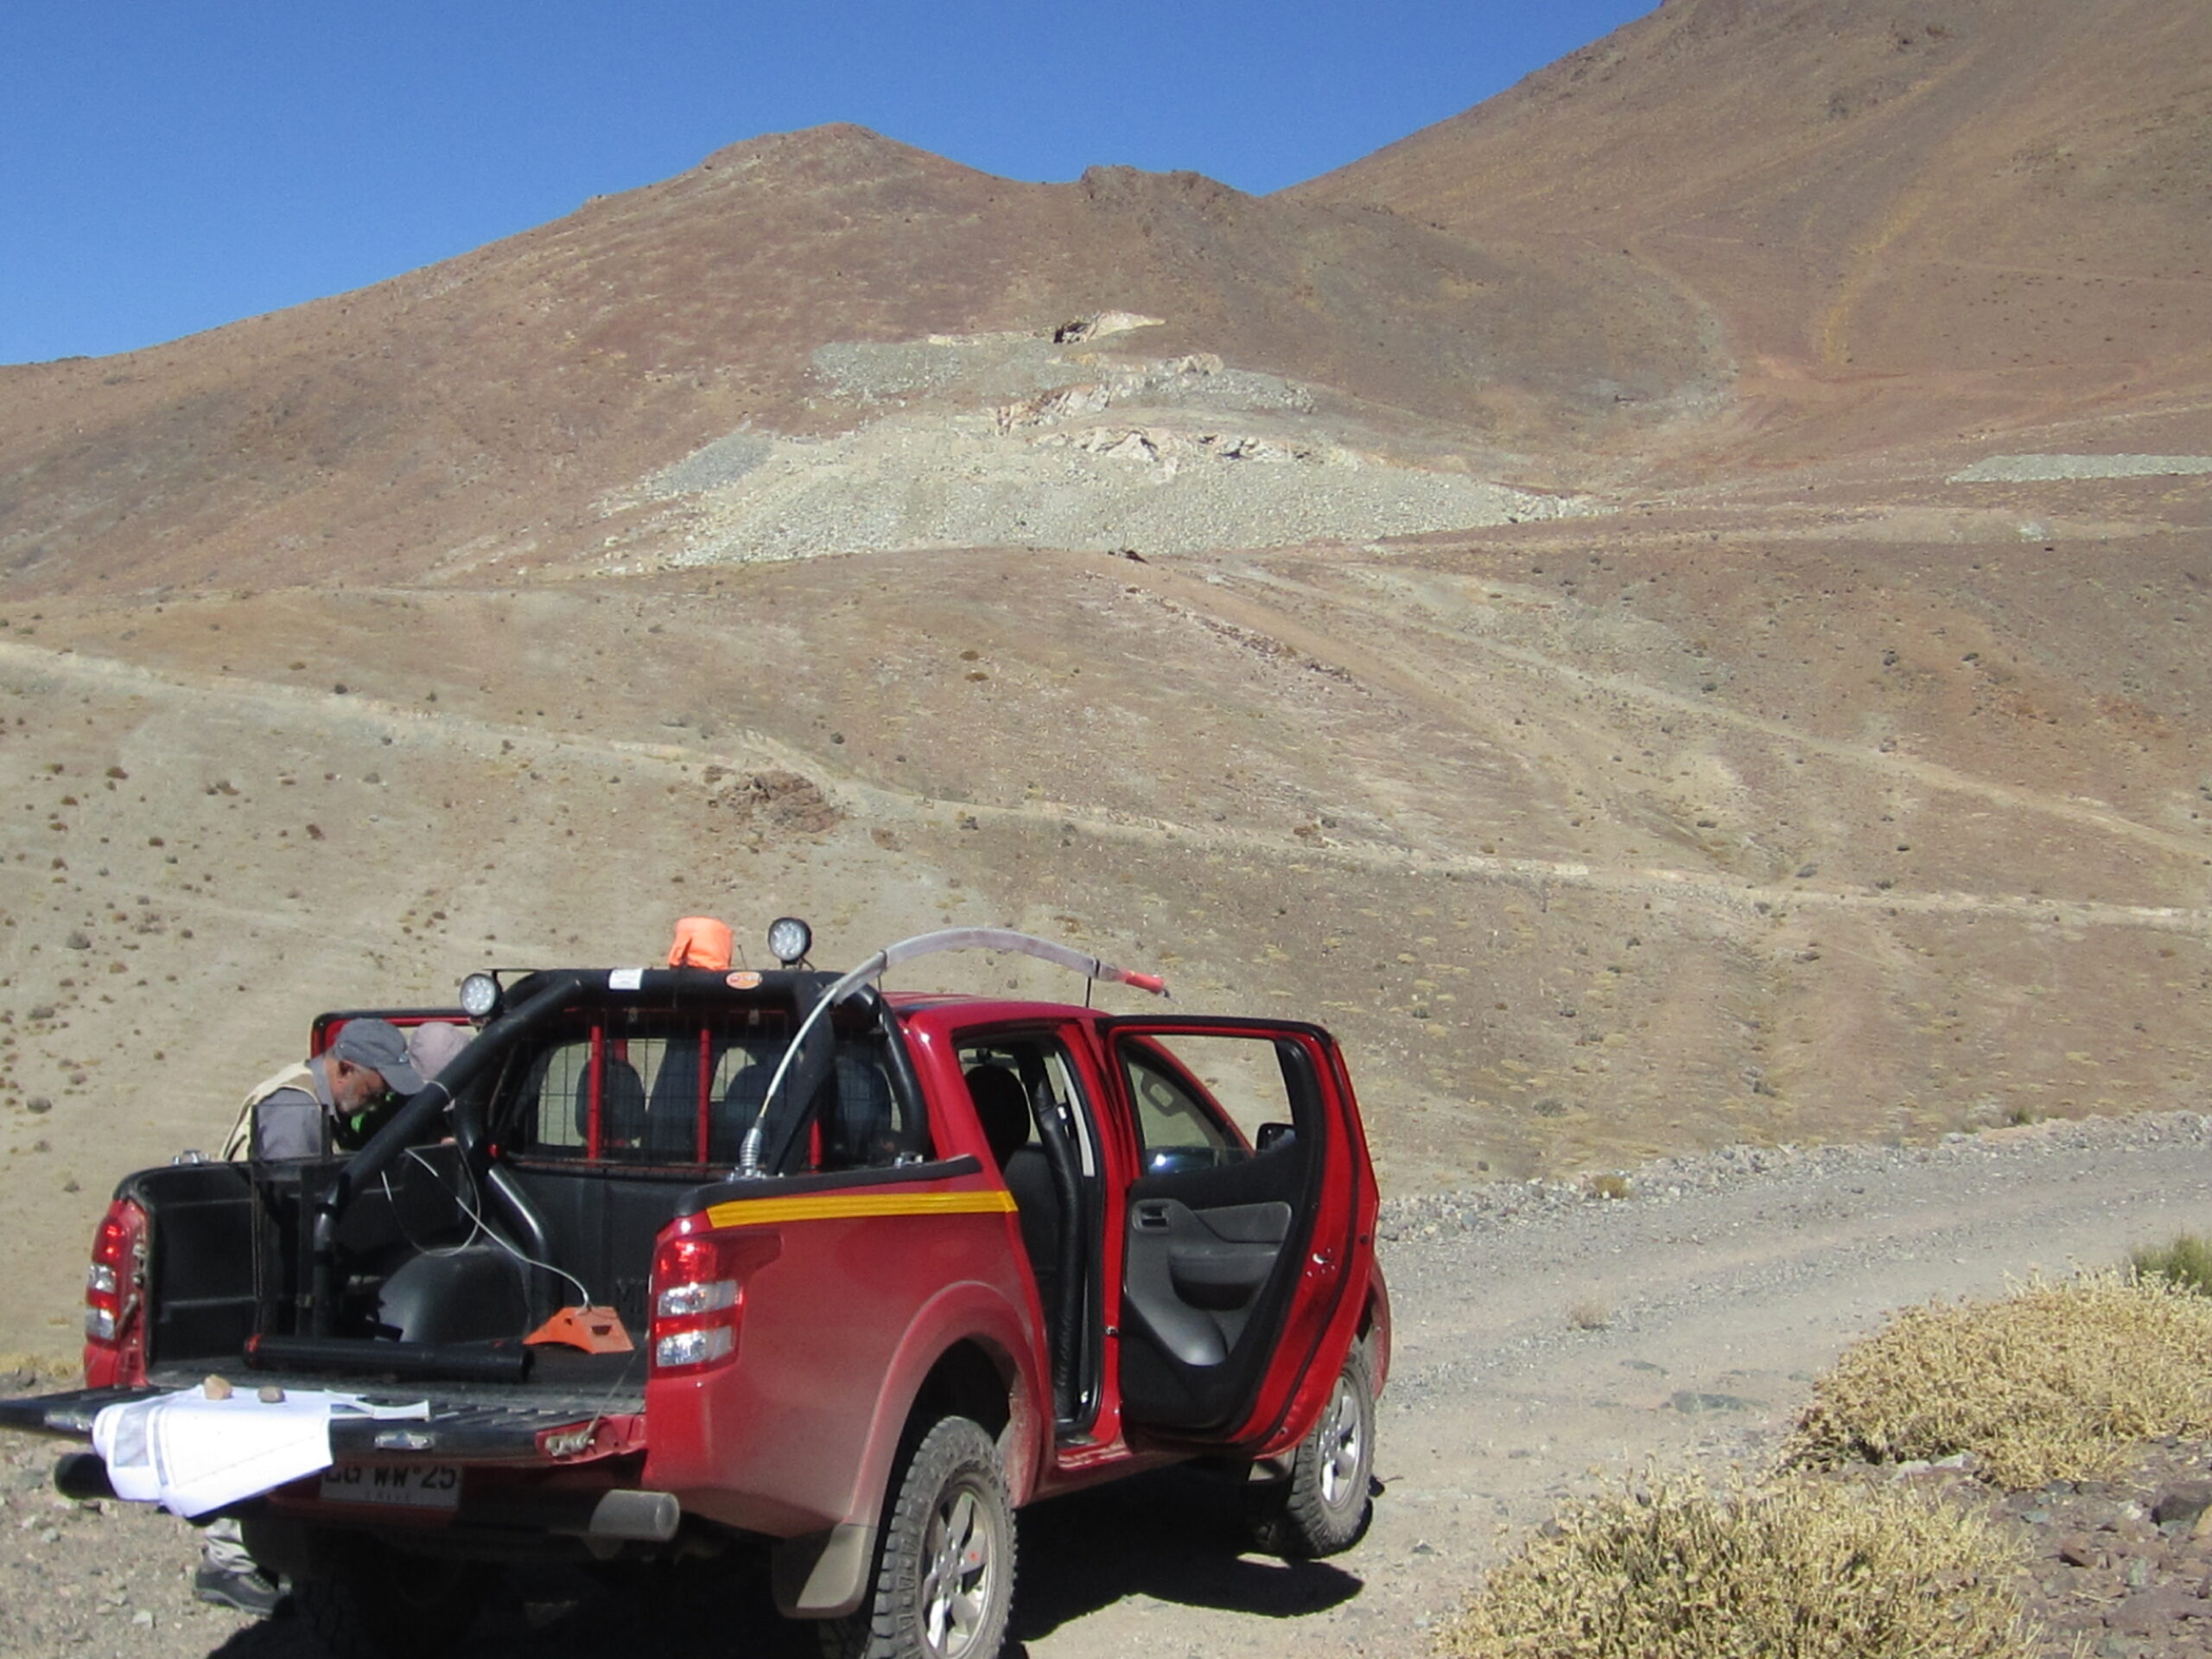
(1799, 1569)
(2047, 1384)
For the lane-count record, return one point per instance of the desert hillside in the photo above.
(1950, 217)
(1471, 600)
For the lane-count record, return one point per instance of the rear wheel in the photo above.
(379, 1604)
(945, 1570)
(1324, 1505)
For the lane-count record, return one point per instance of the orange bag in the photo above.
(701, 942)
(594, 1329)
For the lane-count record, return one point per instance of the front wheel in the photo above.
(944, 1571)
(1323, 1507)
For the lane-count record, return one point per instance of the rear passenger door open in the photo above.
(1238, 1222)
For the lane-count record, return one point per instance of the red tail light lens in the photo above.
(115, 1300)
(698, 1297)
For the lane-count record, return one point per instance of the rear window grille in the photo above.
(685, 1097)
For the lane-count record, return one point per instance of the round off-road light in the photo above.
(790, 939)
(480, 996)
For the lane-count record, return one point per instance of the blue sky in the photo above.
(165, 167)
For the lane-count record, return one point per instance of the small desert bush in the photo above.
(1811, 1569)
(2187, 1263)
(1589, 1314)
(2046, 1384)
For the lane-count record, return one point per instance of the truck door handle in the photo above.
(1151, 1218)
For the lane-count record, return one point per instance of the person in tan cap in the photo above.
(436, 1044)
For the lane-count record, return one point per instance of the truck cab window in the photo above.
(684, 1098)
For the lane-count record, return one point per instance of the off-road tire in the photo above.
(1323, 1507)
(379, 1604)
(944, 1566)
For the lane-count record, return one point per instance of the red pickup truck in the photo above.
(867, 1271)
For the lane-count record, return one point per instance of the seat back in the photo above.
(1001, 1107)
(621, 1107)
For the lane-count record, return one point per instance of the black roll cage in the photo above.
(534, 1001)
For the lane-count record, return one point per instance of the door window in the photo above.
(1033, 1114)
(1203, 1100)
(1041, 1065)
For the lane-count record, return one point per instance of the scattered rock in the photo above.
(2149, 1612)
(2181, 1505)
(782, 802)
(1690, 1402)
(2076, 1550)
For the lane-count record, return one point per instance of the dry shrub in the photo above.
(31, 1373)
(2187, 1261)
(1589, 1314)
(1811, 1569)
(2047, 1384)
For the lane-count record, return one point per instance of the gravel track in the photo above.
(2059, 469)
(1711, 1294)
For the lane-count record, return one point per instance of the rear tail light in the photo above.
(698, 1296)
(115, 1299)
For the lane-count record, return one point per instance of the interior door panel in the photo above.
(1216, 1231)
(1195, 1277)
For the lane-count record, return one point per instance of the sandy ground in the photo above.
(1724, 1285)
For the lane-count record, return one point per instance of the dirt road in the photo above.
(1711, 1294)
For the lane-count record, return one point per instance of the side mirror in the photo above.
(1276, 1135)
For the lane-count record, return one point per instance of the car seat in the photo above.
(621, 1108)
(1002, 1107)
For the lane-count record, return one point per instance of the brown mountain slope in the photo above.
(497, 395)
(1913, 221)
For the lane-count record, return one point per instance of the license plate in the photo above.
(402, 1485)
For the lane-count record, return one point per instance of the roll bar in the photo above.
(924, 944)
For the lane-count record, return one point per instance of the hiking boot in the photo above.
(245, 1593)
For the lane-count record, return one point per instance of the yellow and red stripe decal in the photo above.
(856, 1206)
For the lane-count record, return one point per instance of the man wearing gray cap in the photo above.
(297, 1113)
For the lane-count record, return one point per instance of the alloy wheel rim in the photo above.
(960, 1564)
(1340, 1446)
